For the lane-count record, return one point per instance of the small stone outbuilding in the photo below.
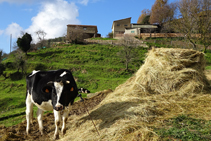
(84, 31)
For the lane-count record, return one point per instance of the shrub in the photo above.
(16, 76)
(40, 66)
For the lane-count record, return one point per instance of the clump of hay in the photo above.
(170, 82)
(170, 70)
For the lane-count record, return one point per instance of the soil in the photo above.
(18, 132)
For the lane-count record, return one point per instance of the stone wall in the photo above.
(113, 42)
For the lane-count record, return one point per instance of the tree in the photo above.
(1, 54)
(41, 34)
(20, 62)
(2, 67)
(146, 20)
(194, 21)
(24, 43)
(204, 23)
(144, 17)
(110, 35)
(161, 12)
(41, 37)
(129, 50)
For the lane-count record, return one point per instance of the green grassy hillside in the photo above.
(95, 67)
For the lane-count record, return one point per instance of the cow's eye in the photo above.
(47, 90)
(72, 89)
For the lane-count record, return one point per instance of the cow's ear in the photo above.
(50, 83)
(47, 89)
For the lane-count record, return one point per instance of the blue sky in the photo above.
(52, 16)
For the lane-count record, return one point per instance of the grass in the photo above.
(12, 102)
(184, 127)
(208, 58)
(208, 67)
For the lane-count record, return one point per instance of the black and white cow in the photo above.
(50, 90)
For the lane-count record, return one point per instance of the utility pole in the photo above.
(10, 42)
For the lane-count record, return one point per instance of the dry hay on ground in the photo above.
(171, 82)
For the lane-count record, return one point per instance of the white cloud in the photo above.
(1, 31)
(53, 18)
(14, 29)
(84, 2)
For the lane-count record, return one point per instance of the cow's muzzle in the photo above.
(59, 108)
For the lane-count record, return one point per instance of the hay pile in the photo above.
(171, 82)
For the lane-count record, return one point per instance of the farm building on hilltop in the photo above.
(84, 31)
(124, 26)
(118, 26)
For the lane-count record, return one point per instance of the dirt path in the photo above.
(18, 132)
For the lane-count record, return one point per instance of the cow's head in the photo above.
(62, 91)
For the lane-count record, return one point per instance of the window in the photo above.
(132, 31)
(118, 24)
(125, 24)
(84, 28)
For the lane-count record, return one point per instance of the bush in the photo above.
(10, 65)
(40, 67)
(2, 68)
(16, 76)
(110, 35)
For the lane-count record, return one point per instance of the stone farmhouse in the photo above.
(84, 31)
(124, 26)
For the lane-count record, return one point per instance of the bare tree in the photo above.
(129, 50)
(41, 36)
(20, 62)
(194, 20)
(204, 23)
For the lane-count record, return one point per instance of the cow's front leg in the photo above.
(64, 119)
(29, 112)
(40, 118)
(57, 122)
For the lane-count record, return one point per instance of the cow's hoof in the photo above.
(63, 132)
(41, 132)
(28, 132)
(56, 137)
